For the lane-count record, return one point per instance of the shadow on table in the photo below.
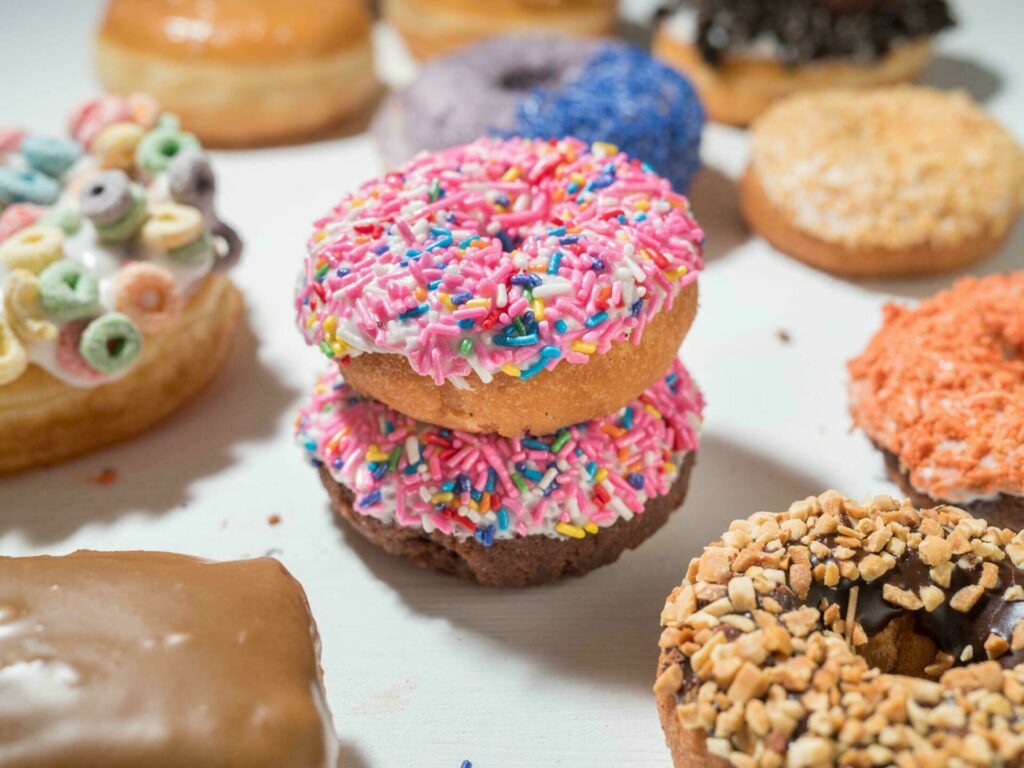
(605, 625)
(1009, 258)
(716, 206)
(351, 757)
(155, 471)
(950, 72)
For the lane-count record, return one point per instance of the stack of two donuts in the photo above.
(506, 403)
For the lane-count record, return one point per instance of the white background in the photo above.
(421, 669)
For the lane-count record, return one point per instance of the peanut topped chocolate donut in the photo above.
(839, 633)
(940, 390)
(505, 286)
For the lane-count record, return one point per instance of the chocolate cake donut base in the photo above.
(519, 562)
(1004, 511)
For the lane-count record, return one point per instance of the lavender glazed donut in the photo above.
(504, 286)
(505, 511)
(549, 87)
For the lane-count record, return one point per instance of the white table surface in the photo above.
(422, 669)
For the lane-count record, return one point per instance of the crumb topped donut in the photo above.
(940, 390)
(839, 633)
(434, 27)
(505, 511)
(505, 286)
(896, 181)
(242, 72)
(745, 54)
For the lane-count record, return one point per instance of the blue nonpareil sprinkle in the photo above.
(379, 471)
(448, 486)
(532, 442)
(414, 312)
(485, 535)
(411, 469)
(526, 279)
(597, 264)
(463, 484)
(627, 419)
(458, 299)
(573, 188)
(444, 238)
(552, 487)
(569, 240)
(555, 263)
(412, 253)
(388, 427)
(342, 271)
(502, 518)
(433, 285)
(380, 250)
(595, 320)
(492, 478)
(634, 310)
(465, 323)
(533, 370)
(550, 352)
(636, 480)
(502, 200)
(592, 469)
(310, 445)
(337, 464)
(531, 474)
(468, 241)
(476, 495)
(560, 326)
(557, 231)
(373, 497)
(602, 181)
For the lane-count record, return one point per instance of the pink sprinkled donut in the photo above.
(474, 503)
(505, 286)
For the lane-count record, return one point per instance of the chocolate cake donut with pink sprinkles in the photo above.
(505, 511)
(505, 286)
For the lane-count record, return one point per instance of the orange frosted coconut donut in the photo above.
(434, 27)
(242, 72)
(940, 391)
(839, 633)
(894, 181)
(504, 285)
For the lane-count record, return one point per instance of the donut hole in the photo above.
(527, 78)
(900, 649)
(116, 347)
(169, 147)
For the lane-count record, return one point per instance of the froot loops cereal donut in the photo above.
(238, 72)
(745, 54)
(838, 633)
(895, 181)
(940, 391)
(505, 286)
(112, 316)
(549, 87)
(505, 511)
(433, 27)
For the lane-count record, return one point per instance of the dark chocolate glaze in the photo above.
(808, 30)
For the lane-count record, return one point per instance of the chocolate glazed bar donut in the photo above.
(157, 660)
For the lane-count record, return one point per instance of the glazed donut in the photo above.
(504, 286)
(548, 87)
(107, 294)
(505, 511)
(940, 391)
(897, 181)
(839, 633)
(242, 72)
(742, 55)
(434, 27)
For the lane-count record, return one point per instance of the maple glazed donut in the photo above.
(743, 55)
(113, 307)
(505, 511)
(505, 286)
(433, 27)
(940, 391)
(839, 633)
(242, 72)
(894, 181)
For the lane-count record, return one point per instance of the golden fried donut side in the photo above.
(742, 88)
(43, 420)
(569, 394)
(773, 225)
(434, 27)
(260, 73)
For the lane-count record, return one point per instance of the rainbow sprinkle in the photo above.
(508, 256)
(568, 485)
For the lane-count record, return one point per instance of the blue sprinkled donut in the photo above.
(549, 87)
